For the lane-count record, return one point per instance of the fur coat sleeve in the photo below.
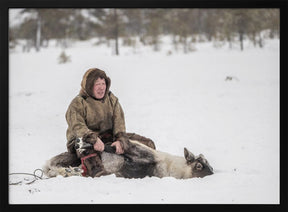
(75, 117)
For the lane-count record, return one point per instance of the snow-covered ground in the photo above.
(178, 100)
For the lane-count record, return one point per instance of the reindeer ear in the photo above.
(190, 158)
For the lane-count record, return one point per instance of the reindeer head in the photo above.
(199, 164)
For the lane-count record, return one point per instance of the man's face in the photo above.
(99, 88)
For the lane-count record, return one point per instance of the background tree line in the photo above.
(186, 26)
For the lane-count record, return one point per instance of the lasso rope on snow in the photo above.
(36, 177)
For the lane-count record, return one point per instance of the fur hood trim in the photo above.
(88, 80)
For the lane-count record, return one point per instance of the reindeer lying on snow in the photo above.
(138, 161)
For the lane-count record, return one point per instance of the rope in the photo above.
(36, 177)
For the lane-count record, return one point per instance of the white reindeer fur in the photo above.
(169, 165)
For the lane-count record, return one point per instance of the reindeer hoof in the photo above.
(72, 171)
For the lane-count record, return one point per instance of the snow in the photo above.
(178, 100)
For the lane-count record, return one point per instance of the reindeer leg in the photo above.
(93, 166)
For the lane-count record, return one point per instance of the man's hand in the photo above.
(99, 145)
(119, 149)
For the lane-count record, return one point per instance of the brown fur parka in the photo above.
(87, 114)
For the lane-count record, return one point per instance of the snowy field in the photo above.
(178, 100)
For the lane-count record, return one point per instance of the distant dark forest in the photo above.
(186, 26)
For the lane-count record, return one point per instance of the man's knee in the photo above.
(146, 141)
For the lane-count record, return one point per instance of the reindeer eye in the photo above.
(199, 166)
